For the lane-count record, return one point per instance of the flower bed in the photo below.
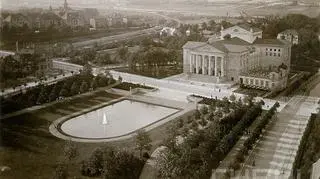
(127, 86)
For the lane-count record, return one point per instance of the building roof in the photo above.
(247, 27)
(235, 41)
(228, 45)
(270, 41)
(49, 15)
(236, 48)
(290, 31)
(192, 44)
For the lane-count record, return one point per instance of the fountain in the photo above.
(104, 121)
(121, 118)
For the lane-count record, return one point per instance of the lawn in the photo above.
(28, 148)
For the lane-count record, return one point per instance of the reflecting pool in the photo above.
(115, 120)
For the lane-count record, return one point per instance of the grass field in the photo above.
(29, 149)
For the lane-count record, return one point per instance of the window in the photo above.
(261, 82)
(247, 81)
(251, 81)
(279, 50)
(278, 54)
(272, 85)
(274, 54)
(270, 49)
(266, 49)
(275, 49)
(266, 53)
(270, 54)
(267, 83)
(257, 82)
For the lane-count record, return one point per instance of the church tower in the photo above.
(65, 5)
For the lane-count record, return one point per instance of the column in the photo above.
(209, 68)
(191, 56)
(203, 64)
(197, 64)
(222, 67)
(215, 66)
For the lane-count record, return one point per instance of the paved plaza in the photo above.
(179, 90)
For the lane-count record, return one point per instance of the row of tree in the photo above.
(202, 149)
(253, 137)
(47, 93)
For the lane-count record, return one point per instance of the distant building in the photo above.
(17, 20)
(261, 64)
(188, 32)
(49, 19)
(92, 23)
(168, 31)
(245, 32)
(72, 18)
(289, 35)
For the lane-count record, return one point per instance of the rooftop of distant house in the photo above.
(247, 27)
(290, 31)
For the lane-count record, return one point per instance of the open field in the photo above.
(254, 8)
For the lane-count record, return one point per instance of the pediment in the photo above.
(208, 48)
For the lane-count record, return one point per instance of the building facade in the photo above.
(245, 32)
(289, 35)
(262, 64)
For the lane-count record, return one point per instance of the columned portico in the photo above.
(206, 64)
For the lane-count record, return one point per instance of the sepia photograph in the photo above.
(160, 89)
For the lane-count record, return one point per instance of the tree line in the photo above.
(42, 94)
(202, 150)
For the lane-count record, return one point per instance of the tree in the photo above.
(83, 87)
(122, 164)
(61, 172)
(103, 81)
(63, 92)
(204, 26)
(212, 25)
(74, 88)
(94, 84)
(87, 70)
(43, 96)
(143, 141)
(204, 110)
(123, 51)
(94, 165)
(197, 114)
(232, 98)
(70, 150)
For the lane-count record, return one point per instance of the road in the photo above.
(116, 38)
(51, 80)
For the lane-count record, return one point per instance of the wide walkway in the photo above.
(274, 154)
